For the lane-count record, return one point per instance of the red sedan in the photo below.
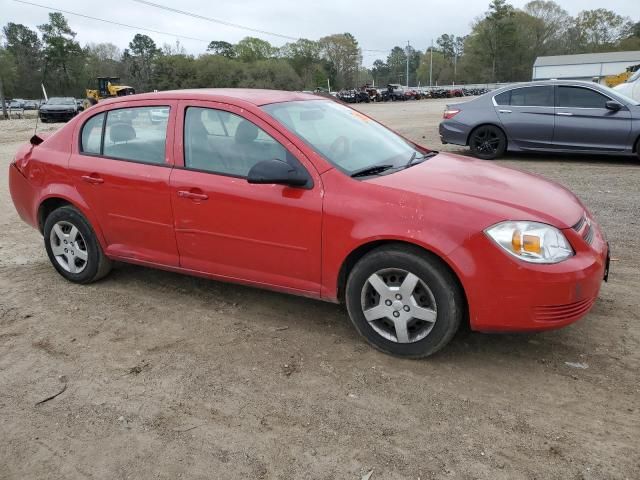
(298, 193)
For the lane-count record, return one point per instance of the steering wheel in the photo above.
(341, 147)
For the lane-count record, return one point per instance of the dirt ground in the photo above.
(175, 377)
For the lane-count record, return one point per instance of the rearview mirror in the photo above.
(276, 172)
(613, 105)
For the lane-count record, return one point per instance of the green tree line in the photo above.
(501, 46)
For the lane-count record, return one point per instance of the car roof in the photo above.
(254, 96)
(547, 82)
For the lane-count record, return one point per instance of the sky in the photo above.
(377, 24)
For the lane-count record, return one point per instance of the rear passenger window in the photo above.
(221, 142)
(503, 99)
(137, 134)
(532, 97)
(92, 135)
(578, 97)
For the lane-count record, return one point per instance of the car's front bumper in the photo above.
(60, 116)
(453, 132)
(509, 295)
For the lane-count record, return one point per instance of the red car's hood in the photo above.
(502, 193)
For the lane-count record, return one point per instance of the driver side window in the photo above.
(221, 142)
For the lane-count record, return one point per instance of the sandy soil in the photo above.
(175, 377)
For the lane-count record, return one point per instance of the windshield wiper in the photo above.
(414, 157)
(373, 170)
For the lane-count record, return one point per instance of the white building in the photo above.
(586, 66)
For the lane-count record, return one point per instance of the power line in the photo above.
(229, 24)
(160, 32)
(110, 21)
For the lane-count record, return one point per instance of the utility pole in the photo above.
(431, 66)
(408, 46)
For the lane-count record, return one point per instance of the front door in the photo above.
(121, 169)
(262, 234)
(584, 123)
(527, 115)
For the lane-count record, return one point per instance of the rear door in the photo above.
(584, 123)
(121, 167)
(527, 115)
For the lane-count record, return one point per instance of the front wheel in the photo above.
(73, 248)
(404, 301)
(487, 142)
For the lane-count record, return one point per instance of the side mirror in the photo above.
(613, 105)
(276, 172)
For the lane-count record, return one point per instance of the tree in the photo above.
(102, 60)
(490, 40)
(272, 73)
(8, 75)
(26, 49)
(380, 72)
(174, 71)
(341, 51)
(63, 57)
(600, 29)
(218, 71)
(225, 49)
(550, 30)
(397, 63)
(252, 49)
(139, 60)
(305, 58)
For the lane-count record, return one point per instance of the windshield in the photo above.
(349, 140)
(61, 101)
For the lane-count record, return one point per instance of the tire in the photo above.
(81, 260)
(487, 142)
(436, 295)
(638, 148)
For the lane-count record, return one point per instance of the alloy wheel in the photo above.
(486, 141)
(398, 305)
(69, 247)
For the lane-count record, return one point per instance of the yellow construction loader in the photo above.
(107, 88)
(613, 80)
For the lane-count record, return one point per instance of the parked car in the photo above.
(16, 104)
(301, 194)
(30, 105)
(58, 109)
(555, 116)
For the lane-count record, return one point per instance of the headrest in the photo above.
(246, 132)
(121, 132)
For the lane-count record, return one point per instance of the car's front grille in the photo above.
(585, 229)
(559, 313)
(580, 223)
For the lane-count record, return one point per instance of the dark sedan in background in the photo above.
(557, 116)
(58, 109)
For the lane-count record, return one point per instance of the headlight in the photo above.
(531, 241)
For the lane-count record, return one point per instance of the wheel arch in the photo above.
(359, 252)
(492, 124)
(57, 199)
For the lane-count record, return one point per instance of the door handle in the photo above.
(92, 179)
(565, 114)
(192, 195)
(504, 111)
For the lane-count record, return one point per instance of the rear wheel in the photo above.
(638, 148)
(487, 142)
(73, 248)
(404, 301)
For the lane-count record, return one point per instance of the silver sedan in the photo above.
(552, 116)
